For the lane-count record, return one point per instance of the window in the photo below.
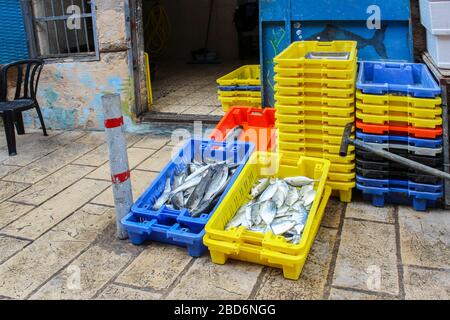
(62, 28)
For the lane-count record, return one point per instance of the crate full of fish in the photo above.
(180, 201)
(271, 214)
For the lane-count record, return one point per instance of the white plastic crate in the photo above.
(435, 16)
(439, 49)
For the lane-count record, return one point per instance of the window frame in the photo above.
(31, 30)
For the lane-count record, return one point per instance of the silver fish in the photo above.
(164, 196)
(197, 173)
(256, 217)
(259, 188)
(281, 194)
(268, 211)
(292, 196)
(237, 219)
(220, 176)
(197, 195)
(268, 193)
(177, 199)
(305, 189)
(299, 181)
(309, 197)
(186, 185)
(281, 227)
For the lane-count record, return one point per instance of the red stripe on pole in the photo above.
(113, 123)
(121, 177)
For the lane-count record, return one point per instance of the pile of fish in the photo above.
(281, 206)
(197, 186)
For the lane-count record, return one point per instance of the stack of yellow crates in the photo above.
(315, 99)
(240, 88)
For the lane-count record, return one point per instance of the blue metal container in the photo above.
(285, 21)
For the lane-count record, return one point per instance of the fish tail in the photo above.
(378, 42)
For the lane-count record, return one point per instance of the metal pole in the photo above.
(118, 159)
(445, 137)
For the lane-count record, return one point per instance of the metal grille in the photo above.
(64, 28)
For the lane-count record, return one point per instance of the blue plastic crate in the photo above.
(400, 184)
(397, 78)
(239, 88)
(177, 227)
(420, 143)
(420, 201)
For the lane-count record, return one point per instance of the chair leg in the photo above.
(41, 118)
(8, 121)
(18, 120)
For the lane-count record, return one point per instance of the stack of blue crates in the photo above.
(398, 110)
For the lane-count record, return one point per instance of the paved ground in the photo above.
(57, 238)
(189, 89)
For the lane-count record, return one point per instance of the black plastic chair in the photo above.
(27, 79)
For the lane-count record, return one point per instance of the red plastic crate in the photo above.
(258, 126)
(399, 130)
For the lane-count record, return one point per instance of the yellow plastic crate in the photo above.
(314, 73)
(229, 102)
(300, 146)
(312, 127)
(400, 118)
(398, 101)
(248, 75)
(239, 94)
(315, 101)
(267, 249)
(343, 190)
(294, 56)
(387, 110)
(314, 91)
(318, 83)
(334, 158)
(316, 110)
(309, 138)
(319, 119)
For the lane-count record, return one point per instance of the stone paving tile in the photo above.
(217, 112)
(152, 142)
(85, 275)
(426, 284)
(95, 158)
(135, 156)
(93, 137)
(174, 108)
(425, 237)
(50, 163)
(9, 246)
(199, 109)
(367, 249)
(157, 267)
(117, 292)
(140, 181)
(360, 210)
(342, 294)
(39, 261)
(313, 279)
(41, 219)
(205, 281)
(5, 170)
(53, 184)
(37, 146)
(333, 213)
(189, 101)
(157, 161)
(9, 189)
(10, 211)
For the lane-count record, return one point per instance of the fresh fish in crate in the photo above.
(164, 197)
(280, 206)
